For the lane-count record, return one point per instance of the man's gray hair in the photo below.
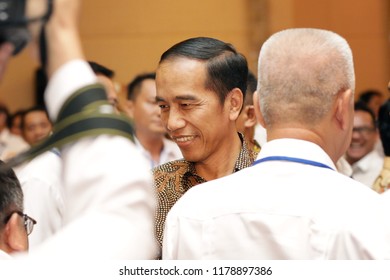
(300, 72)
(11, 194)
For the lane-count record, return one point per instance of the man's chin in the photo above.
(354, 157)
(161, 131)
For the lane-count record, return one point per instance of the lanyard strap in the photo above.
(292, 159)
(82, 116)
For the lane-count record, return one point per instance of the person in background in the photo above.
(382, 183)
(373, 99)
(247, 121)
(142, 109)
(15, 125)
(10, 144)
(35, 125)
(361, 154)
(201, 84)
(15, 226)
(292, 204)
(105, 76)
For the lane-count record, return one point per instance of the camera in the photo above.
(14, 23)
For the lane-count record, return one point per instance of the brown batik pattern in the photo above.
(174, 178)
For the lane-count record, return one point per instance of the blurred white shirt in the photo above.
(169, 152)
(110, 200)
(368, 168)
(4, 256)
(41, 183)
(11, 145)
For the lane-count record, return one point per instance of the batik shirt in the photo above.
(174, 178)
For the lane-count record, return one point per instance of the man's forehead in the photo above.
(362, 116)
(180, 65)
(177, 98)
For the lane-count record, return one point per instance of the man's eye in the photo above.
(162, 106)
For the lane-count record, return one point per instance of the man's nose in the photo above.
(175, 120)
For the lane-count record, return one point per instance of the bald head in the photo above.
(300, 72)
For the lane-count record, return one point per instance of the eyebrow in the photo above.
(185, 97)
(180, 97)
(159, 99)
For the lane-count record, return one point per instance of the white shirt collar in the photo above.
(364, 164)
(296, 148)
(169, 152)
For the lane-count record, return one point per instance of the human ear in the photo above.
(250, 119)
(344, 109)
(129, 108)
(256, 105)
(15, 235)
(236, 100)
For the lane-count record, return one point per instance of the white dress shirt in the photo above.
(43, 195)
(367, 169)
(277, 210)
(260, 135)
(344, 167)
(4, 256)
(110, 200)
(169, 152)
(11, 145)
(386, 204)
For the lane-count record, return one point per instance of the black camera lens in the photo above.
(13, 26)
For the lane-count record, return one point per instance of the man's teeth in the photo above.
(355, 145)
(184, 139)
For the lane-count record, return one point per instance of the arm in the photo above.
(106, 181)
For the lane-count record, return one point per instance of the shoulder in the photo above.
(47, 160)
(371, 156)
(45, 168)
(170, 171)
(216, 192)
(169, 177)
(171, 167)
(206, 201)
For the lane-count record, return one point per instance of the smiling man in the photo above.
(382, 183)
(200, 89)
(35, 124)
(364, 159)
(142, 108)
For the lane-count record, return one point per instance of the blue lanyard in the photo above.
(292, 159)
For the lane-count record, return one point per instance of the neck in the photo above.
(153, 145)
(249, 134)
(314, 135)
(223, 160)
